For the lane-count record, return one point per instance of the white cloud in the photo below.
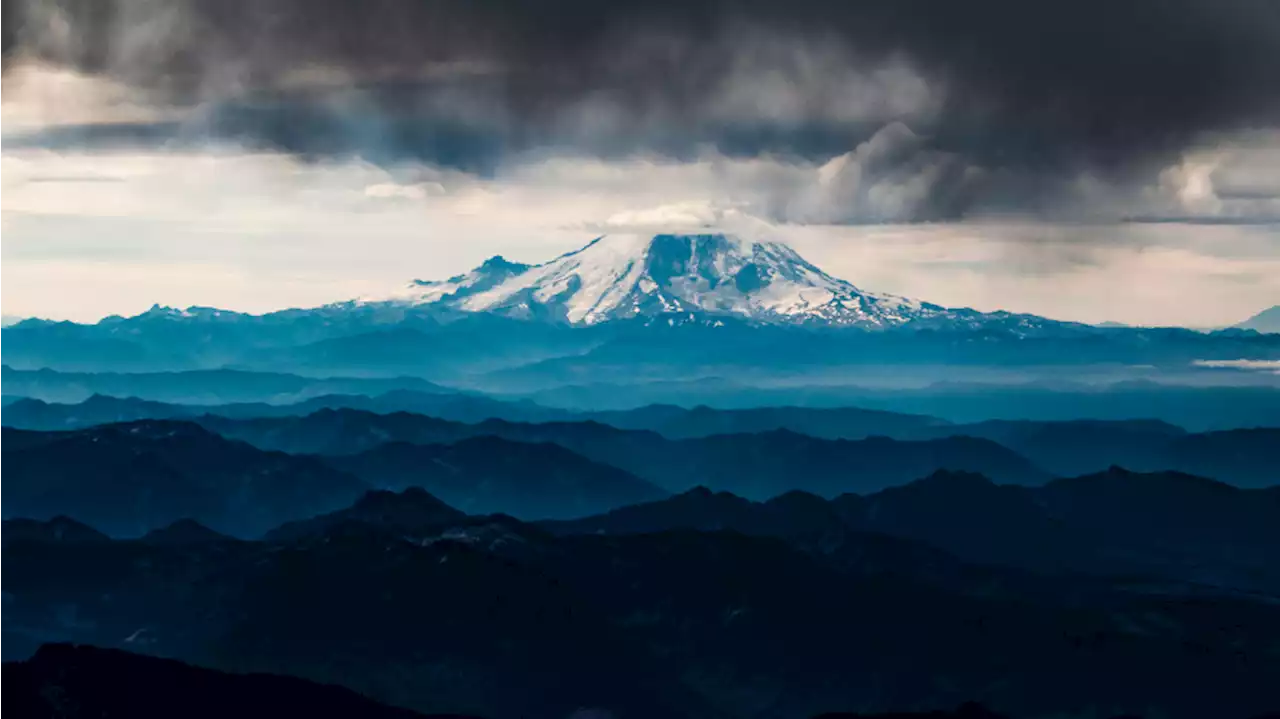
(1271, 366)
(396, 191)
(1228, 178)
(40, 95)
(1141, 274)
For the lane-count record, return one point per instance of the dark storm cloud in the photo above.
(1033, 93)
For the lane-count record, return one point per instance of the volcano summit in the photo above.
(701, 276)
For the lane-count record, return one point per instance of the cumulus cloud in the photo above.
(680, 216)
(1234, 178)
(895, 176)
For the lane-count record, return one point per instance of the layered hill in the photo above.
(491, 617)
(753, 465)
(127, 479)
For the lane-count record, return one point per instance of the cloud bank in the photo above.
(915, 110)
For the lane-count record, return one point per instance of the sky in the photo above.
(1080, 161)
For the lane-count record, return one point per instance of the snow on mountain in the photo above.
(704, 275)
(493, 271)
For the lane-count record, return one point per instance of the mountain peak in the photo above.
(705, 274)
(1265, 321)
(498, 263)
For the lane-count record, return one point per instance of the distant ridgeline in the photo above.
(623, 307)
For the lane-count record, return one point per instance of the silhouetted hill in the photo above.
(826, 423)
(792, 515)
(673, 624)
(485, 474)
(126, 479)
(771, 463)
(1242, 457)
(338, 431)
(1198, 528)
(34, 414)
(1169, 526)
(1062, 448)
(1078, 446)
(57, 529)
(203, 386)
(968, 710)
(970, 516)
(668, 420)
(752, 465)
(184, 531)
(409, 512)
(85, 682)
(28, 413)
(1255, 403)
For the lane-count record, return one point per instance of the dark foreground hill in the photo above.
(79, 682)
(496, 618)
(1163, 525)
(85, 682)
(1243, 457)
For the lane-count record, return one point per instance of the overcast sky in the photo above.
(1081, 161)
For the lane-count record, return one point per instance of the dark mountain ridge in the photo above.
(127, 479)
(1166, 525)
(485, 474)
(753, 465)
(1062, 448)
(668, 420)
(214, 386)
(79, 682)
(675, 623)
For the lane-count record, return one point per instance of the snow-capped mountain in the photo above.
(697, 276)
